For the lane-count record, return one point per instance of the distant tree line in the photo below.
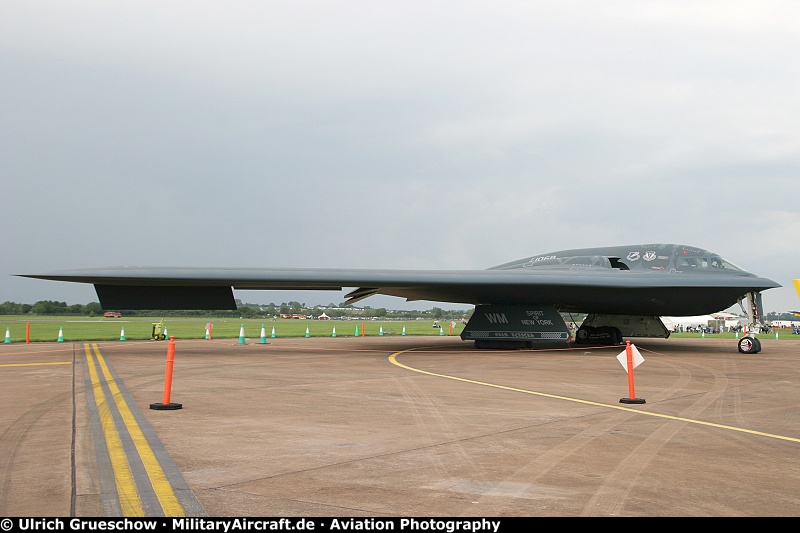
(49, 307)
(249, 310)
(781, 316)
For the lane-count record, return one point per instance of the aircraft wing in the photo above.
(604, 290)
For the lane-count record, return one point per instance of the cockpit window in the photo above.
(706, 262)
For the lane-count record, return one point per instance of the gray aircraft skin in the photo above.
(646, 280)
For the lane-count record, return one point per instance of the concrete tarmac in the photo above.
(398, 426)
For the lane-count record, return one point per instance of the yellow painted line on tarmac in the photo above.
(393, 360)
(126, 488)
(38, 364)
(161, 486)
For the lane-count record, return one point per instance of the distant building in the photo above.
(784, 323)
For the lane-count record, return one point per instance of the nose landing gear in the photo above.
(749, 344)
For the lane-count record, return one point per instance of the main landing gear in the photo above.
(602, 335)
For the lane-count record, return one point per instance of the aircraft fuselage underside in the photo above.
(524, 326)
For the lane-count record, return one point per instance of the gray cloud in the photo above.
(407, 134)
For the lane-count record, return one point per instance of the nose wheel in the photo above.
(749, 345)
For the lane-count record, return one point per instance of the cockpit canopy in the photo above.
(659, 257)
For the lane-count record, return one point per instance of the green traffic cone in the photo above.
(404, 330)
(380, 333)
(122, 333)
(308, 334)
(241, 335)
(273, 332)
(334, 331)
(60, 334)
(8, 335)
(263, 339)
(441, 331)
(356, 334)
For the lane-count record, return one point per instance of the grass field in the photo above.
(47, 329)
(76, 329)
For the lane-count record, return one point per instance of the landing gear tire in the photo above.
(749, 345)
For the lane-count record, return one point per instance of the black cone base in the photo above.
(166, 406)
(631, 400)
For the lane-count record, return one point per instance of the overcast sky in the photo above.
(409, 134)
